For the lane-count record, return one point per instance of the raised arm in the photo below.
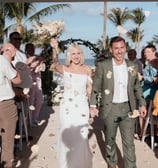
(56, 66)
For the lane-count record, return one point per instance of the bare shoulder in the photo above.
(87, 69)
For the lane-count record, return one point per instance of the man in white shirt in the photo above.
(117, 80)
(8, 109)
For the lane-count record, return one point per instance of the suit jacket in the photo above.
(103, 82)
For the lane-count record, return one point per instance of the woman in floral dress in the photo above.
(73, 147)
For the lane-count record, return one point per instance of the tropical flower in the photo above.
(109, 74)
(49, 29)
(132, 70)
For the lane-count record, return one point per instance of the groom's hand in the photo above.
(93, 112)
(143, 111)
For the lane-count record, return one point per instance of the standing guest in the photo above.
(36, 96)
(150, 76)
(8, 110)
(132, 56)
(150, 72)
(20, 62)
(74, 109)
(117, 80)
(20, 56)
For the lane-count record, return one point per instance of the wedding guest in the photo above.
(150, 75)
(73, 148)
(35, 93)
(150, 72)
(117, 80)
(132, 56)
(8, 109)
(20, 62)
(15, 39)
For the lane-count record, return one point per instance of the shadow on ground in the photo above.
(34, 134)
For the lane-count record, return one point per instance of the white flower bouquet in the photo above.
(49, 29)
(57, 95)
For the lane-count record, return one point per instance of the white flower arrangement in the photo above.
(132, 70)
(49, 29)
(57, 95)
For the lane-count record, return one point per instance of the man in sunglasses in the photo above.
(20, 56)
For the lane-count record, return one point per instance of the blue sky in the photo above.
(83, 20)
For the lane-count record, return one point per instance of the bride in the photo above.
(73, 146)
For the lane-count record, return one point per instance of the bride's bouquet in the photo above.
(57, 95)
(49, 29)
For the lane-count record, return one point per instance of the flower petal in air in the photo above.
(107, 91)
(109, 74)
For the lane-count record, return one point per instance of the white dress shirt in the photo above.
(120, 82)
(7, 73)
(19, 57)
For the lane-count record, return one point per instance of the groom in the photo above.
(117, 80)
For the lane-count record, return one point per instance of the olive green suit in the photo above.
(115, 115)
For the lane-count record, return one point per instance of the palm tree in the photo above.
(133, 35)
(155, 39)
(119, 17)
(138, 17)
(22, 10)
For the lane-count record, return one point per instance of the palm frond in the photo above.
(47, 11)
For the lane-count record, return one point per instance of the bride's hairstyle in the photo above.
(70, 51)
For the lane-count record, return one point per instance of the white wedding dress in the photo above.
(73, 146)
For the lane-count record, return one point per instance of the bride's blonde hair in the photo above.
(70, 51)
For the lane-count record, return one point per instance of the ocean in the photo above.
(87, 61)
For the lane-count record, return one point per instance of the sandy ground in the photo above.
(41, 150)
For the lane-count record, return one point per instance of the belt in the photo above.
(120, 103)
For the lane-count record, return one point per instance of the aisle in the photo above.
(41, 152)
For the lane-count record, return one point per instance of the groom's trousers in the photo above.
(118, 118)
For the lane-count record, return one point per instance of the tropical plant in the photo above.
(138, 17)
(23, 12)
(133, 35)
(155, 39)
(119, 17)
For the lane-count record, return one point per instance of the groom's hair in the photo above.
(116, 39)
